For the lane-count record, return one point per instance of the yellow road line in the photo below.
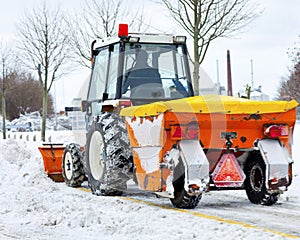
(206, 216)
(211, 217)
(84, 189)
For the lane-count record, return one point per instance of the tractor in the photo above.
(144, 123)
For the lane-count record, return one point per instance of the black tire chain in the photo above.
(118, 153)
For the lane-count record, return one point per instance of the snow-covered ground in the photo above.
(32, 206)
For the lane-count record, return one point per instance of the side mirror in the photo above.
(72, 109)
(84, 105)
(92, 52)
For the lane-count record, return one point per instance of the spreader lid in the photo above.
(211, 104)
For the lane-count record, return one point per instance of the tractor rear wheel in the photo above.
(72, 168)
(181, 198)
(255, 182)
(108, 155)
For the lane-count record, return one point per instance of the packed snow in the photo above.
(35, 207)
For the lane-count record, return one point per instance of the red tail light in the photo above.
(190, 131)
(276, 131)
(124, 103)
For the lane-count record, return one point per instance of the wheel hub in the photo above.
(256, 178)
(96, 156)
(68, 166)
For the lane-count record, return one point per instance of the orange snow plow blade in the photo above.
(52, 157)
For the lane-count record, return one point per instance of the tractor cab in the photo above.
(136, 69)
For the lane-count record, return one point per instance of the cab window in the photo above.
(98, 77)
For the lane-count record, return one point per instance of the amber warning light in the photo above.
(123, 30)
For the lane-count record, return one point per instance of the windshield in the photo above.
(155, 71)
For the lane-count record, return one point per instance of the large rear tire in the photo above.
(108, 155)
(181, 198)
(72, 167)
(255, 182)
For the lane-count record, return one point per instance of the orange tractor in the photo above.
(145, 124)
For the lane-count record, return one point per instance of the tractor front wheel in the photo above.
(72, 168)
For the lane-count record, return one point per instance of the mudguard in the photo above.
(277, 163)
(196, 165)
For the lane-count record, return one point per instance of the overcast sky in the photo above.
(266, 42)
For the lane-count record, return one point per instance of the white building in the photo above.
(256, 94)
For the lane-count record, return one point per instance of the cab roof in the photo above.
(142, 38)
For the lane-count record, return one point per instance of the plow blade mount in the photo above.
(52, 156)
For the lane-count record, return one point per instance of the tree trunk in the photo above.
(196, 78)
(44, 117)
(196, 65)
(196, 50)
(3, 117)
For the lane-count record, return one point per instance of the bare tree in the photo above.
(289, 86)
(19, 101)
(99, 19)
(294, 52)
(207, 20)
(44, 47)
(8, 62)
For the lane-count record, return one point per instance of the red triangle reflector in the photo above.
(228, 172)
